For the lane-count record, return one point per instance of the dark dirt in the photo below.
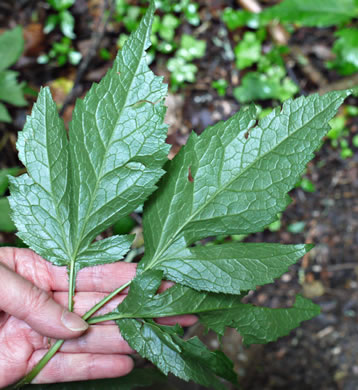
(323, 353)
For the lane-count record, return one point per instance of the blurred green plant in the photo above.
(181, 67)
(220, 86)
(62, 18)
(346, 50)
(248, 50)
(163, 35)
(6, 224)
(240, 18)
(317, 13)
(11, 48)
(62, 52)
(306, 184)
(270, 80)
(339, 135)
(324, 13)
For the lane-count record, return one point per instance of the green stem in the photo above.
(71, 286)
(106, 317)
(52, 351)
(105, 300)
(39, 366)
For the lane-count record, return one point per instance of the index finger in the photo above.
(104, 278)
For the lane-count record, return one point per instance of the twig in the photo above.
(307, 67)
(345, 83)
(342, 266)
(96, 39)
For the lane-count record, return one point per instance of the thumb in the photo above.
(27, 302)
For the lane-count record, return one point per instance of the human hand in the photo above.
(33, 296)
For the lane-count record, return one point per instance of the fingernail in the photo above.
(73, 322)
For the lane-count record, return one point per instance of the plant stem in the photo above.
(105, 300)
(71, 286)
(52, 351)
(39, 366)
(106, 317)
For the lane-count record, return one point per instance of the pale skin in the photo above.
(33, 299)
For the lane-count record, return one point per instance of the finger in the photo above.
(85, 301)
(35, 306)
(65, 367)
(43, 274)
(103, 339)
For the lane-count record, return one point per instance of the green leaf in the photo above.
(76, 189)
(259, 325)
(51, 23)
(191, 48)
(319, 13)
(6, 224)
(167, 27)
(240, 18)
(262, 86)
(4, 114)
(125, 149)
(10, 90)
(189, 360)
(346, 50)
(60, 5)
(11, 47)
(216, 311)
(234, 178)
(67, 24)
(143, 302)
(248, 50)
(4, 180)
(230, 268)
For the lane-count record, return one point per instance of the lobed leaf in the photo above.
(234, 178)
(189, 360)
(232, 267)
(77, 188)
(115, 165)
(260, 325)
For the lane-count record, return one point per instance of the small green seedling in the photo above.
(220, 86)
(62, 52)
(62, 18)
